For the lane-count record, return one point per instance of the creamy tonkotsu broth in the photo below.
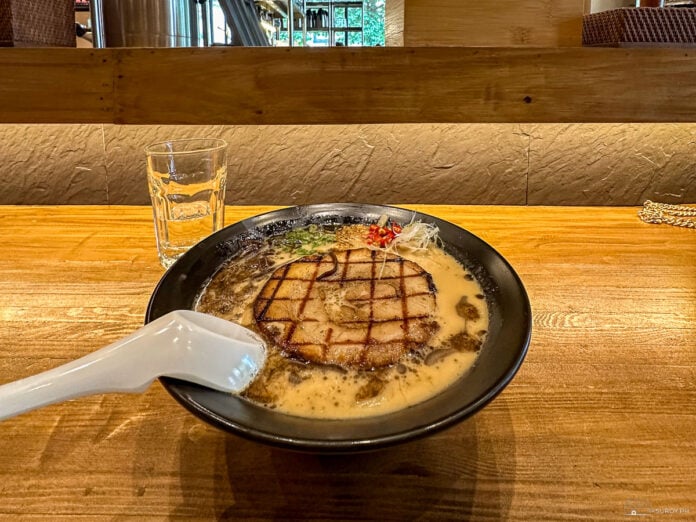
(332, 391)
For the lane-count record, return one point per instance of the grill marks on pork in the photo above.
(354, 308)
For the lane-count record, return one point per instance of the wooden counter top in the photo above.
(599, 421)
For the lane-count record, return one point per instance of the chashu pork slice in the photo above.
(354, 308)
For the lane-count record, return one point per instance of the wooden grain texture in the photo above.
(502, 23)
(392, 85)
(266, 86)
(599, 420)
(56, 85)
(394, 23)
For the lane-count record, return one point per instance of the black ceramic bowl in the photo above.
(500, 357)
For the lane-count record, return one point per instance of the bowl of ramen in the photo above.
(382, 324)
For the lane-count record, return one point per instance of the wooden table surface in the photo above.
(600, 420)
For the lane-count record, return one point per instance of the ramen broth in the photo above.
(331, 392)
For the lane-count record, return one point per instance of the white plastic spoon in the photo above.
(188, 345)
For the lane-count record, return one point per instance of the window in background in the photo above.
(337, 23)
(318, 23)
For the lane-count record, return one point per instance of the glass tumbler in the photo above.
(187, 180)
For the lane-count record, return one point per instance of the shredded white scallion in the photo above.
(415, 236)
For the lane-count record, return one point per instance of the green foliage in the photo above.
(373, 29)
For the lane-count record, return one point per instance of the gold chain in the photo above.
(677, 215)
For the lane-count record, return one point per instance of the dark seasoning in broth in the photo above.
(359, 321)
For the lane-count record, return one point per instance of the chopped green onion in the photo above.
(304, 241)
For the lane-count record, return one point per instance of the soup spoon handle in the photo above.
(182, 344)
(99, 372)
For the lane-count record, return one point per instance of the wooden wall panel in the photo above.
(56, 86)
(394, 23)
(404, 85)
(552, 23)
(270, 86)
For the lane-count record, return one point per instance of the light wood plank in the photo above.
(501, 23)
(268, 86)
(392, 85)
(56, 86)
(394, 23)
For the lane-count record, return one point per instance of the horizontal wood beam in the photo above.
(266, 86)
(56, 86)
